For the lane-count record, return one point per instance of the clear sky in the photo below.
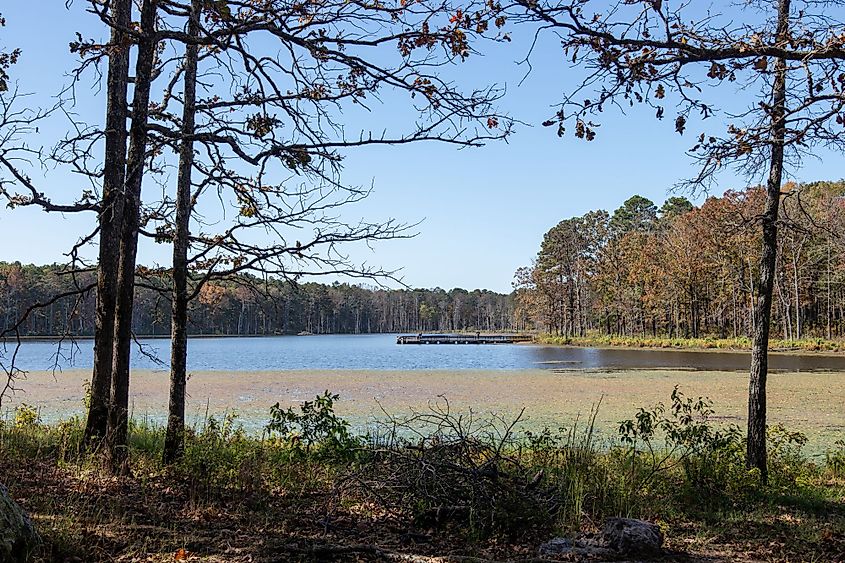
(484, 211)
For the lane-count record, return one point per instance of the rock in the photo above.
(585, 546)
(620, 538)
(18, 538)
(557, 546)
(631, 536)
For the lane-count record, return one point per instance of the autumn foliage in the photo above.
(687, 272)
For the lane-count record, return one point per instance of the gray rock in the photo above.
(620, 538)
(585, 546)
(557, 546)
(631, 536)
(18, 538)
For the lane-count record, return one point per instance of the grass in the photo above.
(438, 481)
(707, 343)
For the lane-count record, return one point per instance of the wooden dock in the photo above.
(463, 339)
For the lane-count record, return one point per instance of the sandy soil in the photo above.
(810, 402)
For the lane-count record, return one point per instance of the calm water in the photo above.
(380, 352)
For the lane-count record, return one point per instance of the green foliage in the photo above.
(706, 343)
(637, 213)
(704, 464)
(786, 463)
(835, 461)
(681, 439)
(27, 436)
(26, 416)
(578, 471)
(221, 457)
(684, 426)
(674, 207)
(315, 426)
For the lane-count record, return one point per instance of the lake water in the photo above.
(380, 352)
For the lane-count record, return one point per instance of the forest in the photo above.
(682, 271)
(247, 306)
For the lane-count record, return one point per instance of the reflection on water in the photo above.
(380, 352)
(620, 358)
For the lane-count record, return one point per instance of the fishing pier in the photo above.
(463, 339)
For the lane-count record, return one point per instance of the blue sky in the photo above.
(483, 211)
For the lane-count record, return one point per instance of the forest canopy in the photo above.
(685, 272)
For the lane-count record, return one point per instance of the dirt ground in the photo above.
(154, 518)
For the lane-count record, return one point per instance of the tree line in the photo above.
(246, 306)
(682, 271)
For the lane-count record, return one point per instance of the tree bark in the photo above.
(119, 406)
(174, 439)
(756, 441)
(114, 170)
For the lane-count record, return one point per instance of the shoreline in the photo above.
(831, 348)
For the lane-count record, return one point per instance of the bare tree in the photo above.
(787, 65)
(265, 112)
(19, 121)
(174, 440)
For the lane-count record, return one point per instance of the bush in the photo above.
(835, 461)
(704, 465)
(787, 465)
(314, 429)
(26, 416)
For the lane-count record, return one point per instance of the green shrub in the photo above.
(680, 448)
(835, 461)
(787, 465)
(26, 416)
(314, 429)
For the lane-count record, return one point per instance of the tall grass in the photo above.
(707, 343)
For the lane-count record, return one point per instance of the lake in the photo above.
(372, 374)
(380, 352)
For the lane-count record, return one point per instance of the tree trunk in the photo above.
(796, 257)
(111, 215)
(756, 446)
(174, 440)
(119, 407)
(829, 312)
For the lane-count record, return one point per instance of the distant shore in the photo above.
(53, 338)
(808, 345)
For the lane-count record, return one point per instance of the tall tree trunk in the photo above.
(135, 162)
(796, 257)
(174, 439)
(829, 311)
(756, 445)
(111, 215)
